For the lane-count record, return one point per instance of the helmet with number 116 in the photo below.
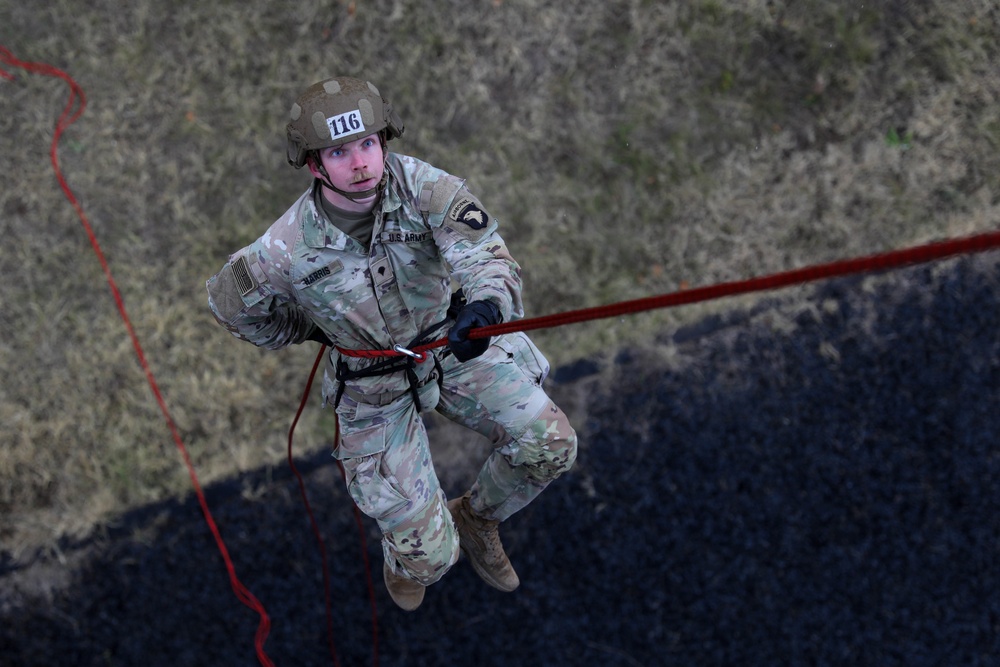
(336, 111)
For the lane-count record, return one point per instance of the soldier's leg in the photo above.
(499, 394)
(389, 474)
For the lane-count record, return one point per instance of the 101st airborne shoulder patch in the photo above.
(470, 216)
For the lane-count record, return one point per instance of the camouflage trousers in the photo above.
(387, 460)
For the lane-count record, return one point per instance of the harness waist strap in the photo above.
(387, 397)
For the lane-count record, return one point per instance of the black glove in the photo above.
(472, 316)
(319, 336)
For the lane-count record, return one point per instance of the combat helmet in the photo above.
(336, 111)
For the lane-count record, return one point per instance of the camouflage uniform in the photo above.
(429, 230)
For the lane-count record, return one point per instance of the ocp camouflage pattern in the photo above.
(430, 233)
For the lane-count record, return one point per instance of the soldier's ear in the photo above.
(311, 164)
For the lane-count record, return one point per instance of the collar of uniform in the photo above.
(317, 231)
(390, 198)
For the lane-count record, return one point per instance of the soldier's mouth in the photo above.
(363, 180)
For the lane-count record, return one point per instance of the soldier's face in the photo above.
(353, 167)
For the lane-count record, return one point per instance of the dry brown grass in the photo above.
(629, 147)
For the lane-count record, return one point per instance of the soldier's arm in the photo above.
(249, 301)
(468, 238)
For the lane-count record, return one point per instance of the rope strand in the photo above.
(872, 263)
(78, 101)
(312, 519)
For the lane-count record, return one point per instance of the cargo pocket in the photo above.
(523, 352)
(373, 489)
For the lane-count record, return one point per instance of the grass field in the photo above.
(630, 148)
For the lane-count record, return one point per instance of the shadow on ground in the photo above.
(823, 492)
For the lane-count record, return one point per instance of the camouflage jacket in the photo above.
(305, 273)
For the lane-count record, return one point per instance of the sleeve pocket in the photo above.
(229, 296)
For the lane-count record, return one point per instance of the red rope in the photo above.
(77, 100)
(368, 566)
(312, 519)
(315, 526)
(871, 263)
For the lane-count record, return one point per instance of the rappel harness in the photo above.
(406, 363)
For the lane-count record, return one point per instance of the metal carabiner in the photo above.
(418, 356)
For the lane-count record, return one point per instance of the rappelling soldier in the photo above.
(365, 260)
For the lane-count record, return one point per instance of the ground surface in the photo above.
(810, 482)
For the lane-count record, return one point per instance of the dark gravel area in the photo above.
(809, 482)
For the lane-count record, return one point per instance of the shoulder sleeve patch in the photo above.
(225, 295)
(467, 218)
(234, 288)
(467, 210)
(245, 281)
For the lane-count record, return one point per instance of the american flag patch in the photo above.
(245, 281)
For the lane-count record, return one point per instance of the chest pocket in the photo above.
(331, 287)
(411, 251)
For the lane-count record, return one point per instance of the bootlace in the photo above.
(487, 531)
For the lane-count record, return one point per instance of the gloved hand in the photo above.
(472, 316)
(319, 336)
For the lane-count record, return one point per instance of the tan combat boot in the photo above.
(480, 542)
(406, 593)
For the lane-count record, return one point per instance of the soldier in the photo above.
(364, 260)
